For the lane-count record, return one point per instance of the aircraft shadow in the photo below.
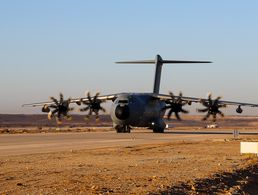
(243, 181)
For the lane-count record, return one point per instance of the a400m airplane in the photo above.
(139, 109)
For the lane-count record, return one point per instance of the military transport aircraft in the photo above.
(139, 109)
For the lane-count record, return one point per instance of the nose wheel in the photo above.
(123, 128)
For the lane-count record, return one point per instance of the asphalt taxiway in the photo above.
(16, 144)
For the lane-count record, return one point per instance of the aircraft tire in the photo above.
(158, 130)
(123, 129)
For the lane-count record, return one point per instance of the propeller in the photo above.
(59, 108)
(92, 105)
(175, 105)
(212, 108)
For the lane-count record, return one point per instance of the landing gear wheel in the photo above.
(123, 129)
(158, 130)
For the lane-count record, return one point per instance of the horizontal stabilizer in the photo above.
(137, 62)
(159, 60)
(163, 61)
(183, 62)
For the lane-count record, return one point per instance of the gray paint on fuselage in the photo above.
(144, 109)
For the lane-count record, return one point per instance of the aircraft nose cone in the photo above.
(122, 112)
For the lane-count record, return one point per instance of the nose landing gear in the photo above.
(123, 128)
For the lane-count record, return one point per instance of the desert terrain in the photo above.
(40, 157)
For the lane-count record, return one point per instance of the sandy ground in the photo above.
(175, 167)
(178, 166)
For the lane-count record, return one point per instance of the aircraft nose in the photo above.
(122, 112)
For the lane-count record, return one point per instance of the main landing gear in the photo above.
(158, 129)
(158, 126)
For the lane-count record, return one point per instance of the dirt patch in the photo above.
(175, 167)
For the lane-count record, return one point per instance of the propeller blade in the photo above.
(103, 109)
(53, 106)
(58, 120)
(183, 104)
(204, 103)
(218, 98)
(68, 117)
(55, 111)
(96, 96)
(89, 97)
(170, 113)
(59, 114)
(209, 96)
(54, 100)
(61, 98)
(70, 109)
(49, 115)
(184, 111)
(177, 116)
(172, 96)
(222, 106)
(97, 115)
(203, 110)
(214, 117)
(89, 114)
(206, 117)
(84, 109)
(221, 113)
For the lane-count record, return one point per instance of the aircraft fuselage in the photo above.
(138, 110)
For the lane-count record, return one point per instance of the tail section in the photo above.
(159, 62)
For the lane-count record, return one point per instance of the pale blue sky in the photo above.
(71, 46)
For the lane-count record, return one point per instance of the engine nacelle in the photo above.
(45, 108)
(239, 110)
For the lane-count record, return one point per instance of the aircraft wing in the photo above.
(198, 100)
(168, 97)
(102, 98)
(72, 100)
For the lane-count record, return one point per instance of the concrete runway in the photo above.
(16, 144)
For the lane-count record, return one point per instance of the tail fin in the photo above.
(159, 62)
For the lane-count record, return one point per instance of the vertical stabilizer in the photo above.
(158, 63)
